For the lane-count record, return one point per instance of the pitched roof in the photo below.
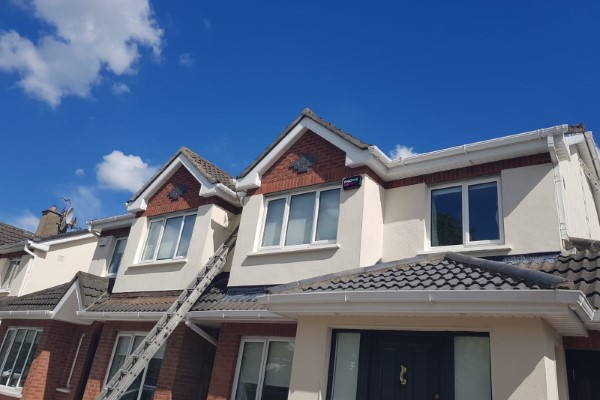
(209, 170)
(307, 112)
(92, 287)
(12, 234)
(448, 271)
(582, 268)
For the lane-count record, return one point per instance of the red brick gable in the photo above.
(160, 203)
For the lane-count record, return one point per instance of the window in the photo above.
(144, 386)
(169, 238)
(10, 273)
(115, 261)
(303, 218)
(264, 369)
(464, 214)
(16, 355)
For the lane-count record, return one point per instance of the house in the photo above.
(465, 273)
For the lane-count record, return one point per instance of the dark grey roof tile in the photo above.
(11, 234)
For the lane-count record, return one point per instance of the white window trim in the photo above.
(465, 215)
(160, 236)
(112, 255)
(261, 375)
(13, 276)
(288, 196)
(9, 390)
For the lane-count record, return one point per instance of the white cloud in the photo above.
(186, 59)
(123, 172)
(402, 152)
(88, 38)
(120, 88)
(79, 172)
(26, 221)
(207, 23)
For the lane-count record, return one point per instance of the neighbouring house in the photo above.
(465, 273)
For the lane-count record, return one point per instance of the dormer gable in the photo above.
(309, 151)
(185, 181)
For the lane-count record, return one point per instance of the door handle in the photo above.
(402, 372)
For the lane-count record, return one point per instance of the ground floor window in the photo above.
(264, 369)
(379, 365)
(144, 386)
(17, 353)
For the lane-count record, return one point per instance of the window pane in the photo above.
(6, 346)
(483, 212)
(273, 222)
(278, 371)
(329, 211)
(149, 386)
(32, 353)
(169, 238)
(10, 273)
(22, 358)
(186, 235)
(249, 371)
(345, 373)
(446, 216)
(12, 357)
(472, 368)
(152, 241)
(121, 352)
(300, 220)
(115, 262)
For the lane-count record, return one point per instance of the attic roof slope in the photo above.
(308, 113)
(12, 234)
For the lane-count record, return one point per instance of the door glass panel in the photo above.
(169, 238)
(32, 353)
(152, 241)
(5, 347)
(273, 223)
(121, 353)
(483, 212)
(446, 216)
(152, 373)
(278, 371)
(21, 359)
(12, 357)
(345, 373)
(300, 221)
(329, 211)
(186, 236)
(249, 371)
(472, 368)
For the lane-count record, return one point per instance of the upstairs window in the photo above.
(9, 274)
(304, 218)
(169, 238)
(115, 261)
(464, 214)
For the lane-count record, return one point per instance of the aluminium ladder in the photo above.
(135, 363)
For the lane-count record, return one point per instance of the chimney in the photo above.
(48, 225)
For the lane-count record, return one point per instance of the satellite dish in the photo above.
(70, 216)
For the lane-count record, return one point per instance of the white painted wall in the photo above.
(522, 352)
(212, 226)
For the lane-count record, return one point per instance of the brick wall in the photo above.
(185, 369)
(52, 363)
(592, 342)
(228, 347)
(330, 167)
(160, 203)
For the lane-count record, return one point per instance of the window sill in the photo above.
(483, 248)
(2, 291)
(174, 261)
(63, 390)
(11, 392)
(295, 249)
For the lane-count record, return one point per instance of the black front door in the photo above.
(406, 366)
(584, 374)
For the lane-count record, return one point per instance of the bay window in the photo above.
(264, 369)
(303, 218)
(16, 355)
(169, 238)
(465, 213)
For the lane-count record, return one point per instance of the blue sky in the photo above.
(95, 95)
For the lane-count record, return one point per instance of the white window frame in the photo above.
(16, 263)
(114, 249)
(266, 340)
(39, 331)
(164, 218)
(133, 334)
(286, 212)
(464, 185)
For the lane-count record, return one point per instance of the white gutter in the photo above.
(201, 332)
(119, 316)
(45, 244)
(31, 314)
(236, 315)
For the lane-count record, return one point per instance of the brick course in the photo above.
(230, 335)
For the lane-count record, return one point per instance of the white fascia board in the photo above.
(13, 247)
(354, 156)
(62, 312)
(117, 221)
(45, 245)
(119, 316)
(240, 315)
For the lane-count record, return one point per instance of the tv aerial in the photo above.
(67, 216)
